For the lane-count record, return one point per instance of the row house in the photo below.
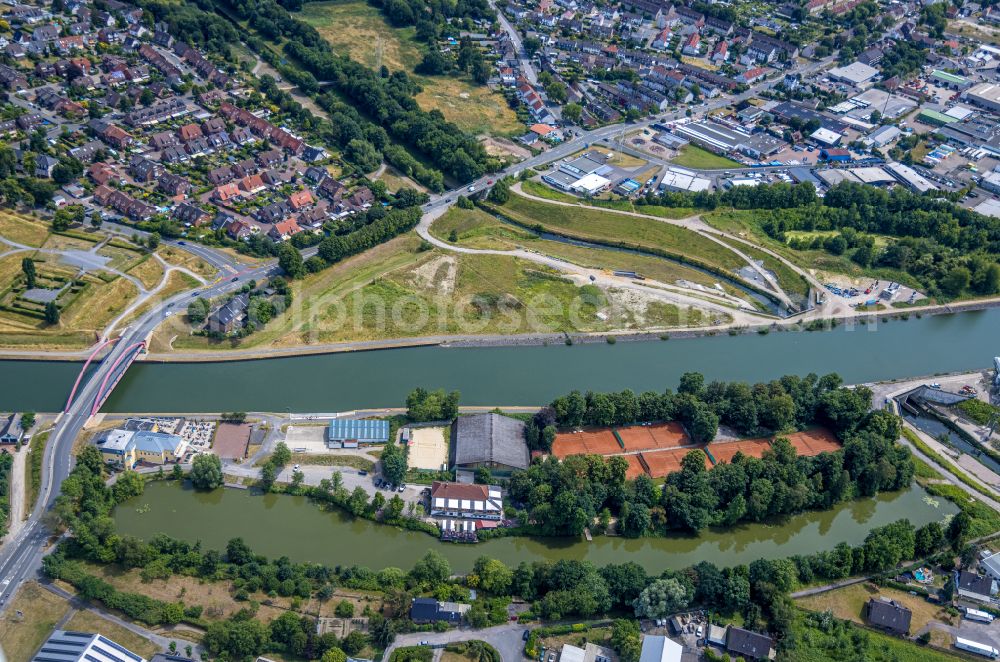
(220, 175)
(191, 215)
(708, 77)
(169, 70)
(161, 112)
(766, 49)
(688, 16)
(87, 151)
(173, 185)
(143, 170)
(163, 139)
(104, 174)
(112, 134)
(751, 75)
(72, 43)
(12, 79)
(26, 15)
(174, 154)
(262, 127)
(201, 64)
(123, 203)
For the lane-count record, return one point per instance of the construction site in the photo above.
(657, 449)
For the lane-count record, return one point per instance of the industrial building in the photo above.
(825, 137)
(883, 136)
(350, 432)
(722, 139)
(855, 73)
(69, 646)
(657, 648)
(910, 178)
(984, 95)
(677, 179)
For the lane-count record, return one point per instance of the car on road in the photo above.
(471, 189)
(181, 243)
(448, 200)
(935, 386)
(169, 313)
(424, 643)
(234, 279)
(194, 294)
(295, 468)
(402, 487)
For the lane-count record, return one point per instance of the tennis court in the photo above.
(652, 437)
(635, 468)
(814, 441)
(661, 463)
(724, 452)
(588, 442)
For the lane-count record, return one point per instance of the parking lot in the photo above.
(872, 293)
(198, 434)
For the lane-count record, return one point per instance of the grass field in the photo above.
(83, 315)
(692, 156)
(540, 190)
(792, 283)
(23, 229)
(478, 229)
(22, 635)
(847, 603)
(88, 621)
(181, 258)
(33, 482)
(847, 642)
(149, 271)
(331, 460)
(607, 226)
(395, 181)
(358, 29)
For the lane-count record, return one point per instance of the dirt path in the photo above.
(18, 487)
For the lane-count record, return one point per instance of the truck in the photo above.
(978, 615)
(976, 647)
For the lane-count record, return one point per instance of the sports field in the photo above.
(661, 463)
(725, 451)
(648, 437)
(428, 448)
(814, 441)
(598, 441)
(635, 467)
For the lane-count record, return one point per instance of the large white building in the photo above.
(466, 507)
(68, 646)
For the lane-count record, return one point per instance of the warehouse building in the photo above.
(677, 179)
(722, 139)
(350, 432)
(984, 95)
(489, 440)
(910, 178)
(855, 73)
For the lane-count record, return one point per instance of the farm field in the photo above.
(357, 29)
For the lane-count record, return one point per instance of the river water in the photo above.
(277, 524)
(514, 375)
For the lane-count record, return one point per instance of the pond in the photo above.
(278, 524)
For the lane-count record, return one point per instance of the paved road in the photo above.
(505, 638)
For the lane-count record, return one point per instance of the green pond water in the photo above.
(276, 524)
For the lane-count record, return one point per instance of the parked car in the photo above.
(362, 472)
(525, 635)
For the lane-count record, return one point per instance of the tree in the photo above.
(354, 642)
(955, 281)
(27, 420)
(334, 655)
(206, 472)
(572, 112)
(394, 464)
(431, 570)
(362, 154)
(662, 598)
(51, 313)
(153, 241)
(626, 638)
(494, 576)
(28, 267)
(197, 311)
(344, 609)
(290, 261)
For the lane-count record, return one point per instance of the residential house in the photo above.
(889, 616)
(301, 199)
(465, 501)
(143, 170)
(173, 185)
(10, 429)
(191, 215)
(751, 645)
(282, 230)
(429, 610)
(226, 192)
(976, 587)
(229, 316)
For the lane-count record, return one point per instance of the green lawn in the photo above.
(792, 283)
(692, 156)
(827, 639)
(607, 226)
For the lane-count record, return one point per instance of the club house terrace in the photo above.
(126, 448)
(350, 432)
(464, 507)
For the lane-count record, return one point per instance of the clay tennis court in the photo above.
(588, 442)
(661, 463)
(813, 442)
(649, 437)
(724, 452)
(635, 468)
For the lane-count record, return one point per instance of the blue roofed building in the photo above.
(350, 432)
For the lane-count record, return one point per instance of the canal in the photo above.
(277, 524)
(514, 375)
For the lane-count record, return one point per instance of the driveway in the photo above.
(505, 638)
